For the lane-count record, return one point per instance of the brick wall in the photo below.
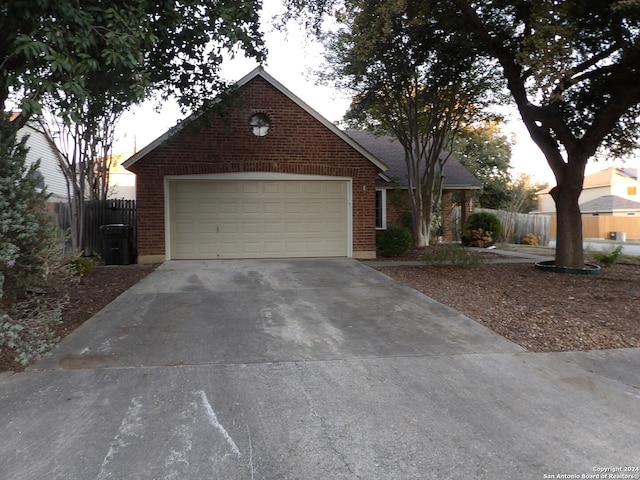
(297, 143)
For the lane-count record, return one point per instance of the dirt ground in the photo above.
(543, 312)
(86, 298)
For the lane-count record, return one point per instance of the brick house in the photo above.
(270, 178)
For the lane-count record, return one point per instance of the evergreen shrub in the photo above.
(395, 241)
(483, 224)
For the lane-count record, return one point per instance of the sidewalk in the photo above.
(508, 256)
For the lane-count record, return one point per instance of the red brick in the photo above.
(297, 144)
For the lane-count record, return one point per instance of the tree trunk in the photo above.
(569, 246)
(420, 233)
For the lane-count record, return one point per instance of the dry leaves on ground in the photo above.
(541, 311)
(86, 298)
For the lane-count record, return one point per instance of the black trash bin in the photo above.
(117, 244)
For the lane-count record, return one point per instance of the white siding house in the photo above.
(42, 148)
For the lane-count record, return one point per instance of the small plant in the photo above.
(452, 254)
(480, 238)
(81, 266)
(395, 241)
(28, 331)
(531, 239)
(608, 258)
(480, 225)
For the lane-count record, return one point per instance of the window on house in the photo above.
(40, 178)
(632, 191)
(381, 209)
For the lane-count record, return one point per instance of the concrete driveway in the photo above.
(309, 369)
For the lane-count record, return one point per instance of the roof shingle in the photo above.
(609, 203)
(389, 150)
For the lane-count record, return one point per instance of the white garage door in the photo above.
(258, 219)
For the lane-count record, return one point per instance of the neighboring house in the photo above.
(609, 202)
(610, 205)
(122, 183)
(458, 184)
(613, 191)
(271, 178)
(41, 147)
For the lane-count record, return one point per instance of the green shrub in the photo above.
(28, 237)
(81, 266)
(484, 224)
(530, 239)
(452, 254)
(608, 258)
(395, 241)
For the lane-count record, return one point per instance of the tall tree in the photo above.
(175, 47)
(486, 152)
(400, 70)
(573, 70)
(89, 60)
(523, 191)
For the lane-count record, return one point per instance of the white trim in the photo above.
(383, 191)
(258, 176)
(252, 176)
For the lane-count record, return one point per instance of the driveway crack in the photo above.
(323, 423)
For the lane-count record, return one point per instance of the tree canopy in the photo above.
(87, 61)
(573, 70)
(486, 152)
(397, 64)
(174, 48)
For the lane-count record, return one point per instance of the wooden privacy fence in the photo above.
(601, 226)
(516, 226)
(96, 214)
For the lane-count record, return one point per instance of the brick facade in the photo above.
(297, 144)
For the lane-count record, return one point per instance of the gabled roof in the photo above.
(260, 72)
(609, 203)
(601, 178)
(604, 178)
(390, 151)
(629, 172)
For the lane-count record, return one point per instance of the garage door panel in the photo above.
(271, 187)
(269, 226)
(270, 207)
(258, 219)
(224, 207)
(250, 228)
(251, 207)
(293, 188)
(291, 207)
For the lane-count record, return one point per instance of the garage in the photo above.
(263, 176)
(227, 218)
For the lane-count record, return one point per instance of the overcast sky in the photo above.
(293, 56)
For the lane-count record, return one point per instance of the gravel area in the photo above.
(541, 311)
